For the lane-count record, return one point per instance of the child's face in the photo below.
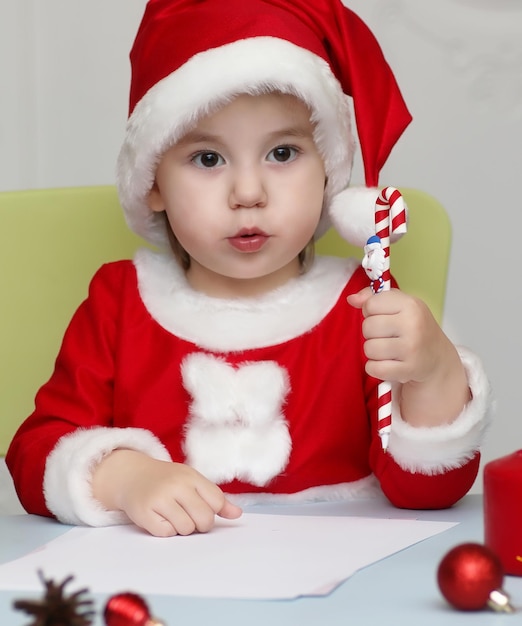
(243, 192)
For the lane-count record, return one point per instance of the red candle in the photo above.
(503, 510)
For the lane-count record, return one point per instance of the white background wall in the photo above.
(64, 77)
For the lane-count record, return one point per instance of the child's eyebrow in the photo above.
(292, 131)
(196, 136)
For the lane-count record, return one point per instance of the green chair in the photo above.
(53, 241)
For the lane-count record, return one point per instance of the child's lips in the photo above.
(248, 240)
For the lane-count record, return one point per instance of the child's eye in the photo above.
(282, 154)
(207, 159)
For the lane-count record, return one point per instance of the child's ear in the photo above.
(154, 199)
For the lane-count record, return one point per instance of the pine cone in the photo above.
(56, 608)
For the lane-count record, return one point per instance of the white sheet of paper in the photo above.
(256, 556)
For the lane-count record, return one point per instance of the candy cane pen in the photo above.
(390, 218)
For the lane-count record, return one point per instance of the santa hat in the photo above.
(192, 56)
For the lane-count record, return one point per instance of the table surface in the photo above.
(399, 589)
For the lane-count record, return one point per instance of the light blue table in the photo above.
(398, 591)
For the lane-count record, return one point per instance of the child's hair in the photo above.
(191, 57)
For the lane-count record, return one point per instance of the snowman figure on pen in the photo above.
(374, 262)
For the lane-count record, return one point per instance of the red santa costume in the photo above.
(267, 396)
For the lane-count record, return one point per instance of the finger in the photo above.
(392, 371)
(184, 517)
(202, 512)
(211, 494)
(384, 303)
(155, 524)
(230, 510)
(381, 327)
(357, 300)
(382, 349)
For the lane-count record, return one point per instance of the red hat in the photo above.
(191, 56)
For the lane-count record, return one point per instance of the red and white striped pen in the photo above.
(390, 218)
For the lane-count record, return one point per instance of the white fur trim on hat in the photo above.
(199, 87)
(442, 448)
(68, 470)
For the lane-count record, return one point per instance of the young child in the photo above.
(232, 367)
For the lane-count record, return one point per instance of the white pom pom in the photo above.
(352, 212)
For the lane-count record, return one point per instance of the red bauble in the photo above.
(128, 609)
(470, 578)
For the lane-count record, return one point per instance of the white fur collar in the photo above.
(232, 325)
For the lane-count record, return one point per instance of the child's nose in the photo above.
(248, 189)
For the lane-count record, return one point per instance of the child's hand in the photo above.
(405, 344)
(403, 340)
(163, 498)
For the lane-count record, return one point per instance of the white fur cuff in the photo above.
(442, 448)
(67, 480)
(365, 488)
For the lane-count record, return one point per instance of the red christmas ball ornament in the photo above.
(470, 577)
(128, 609)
